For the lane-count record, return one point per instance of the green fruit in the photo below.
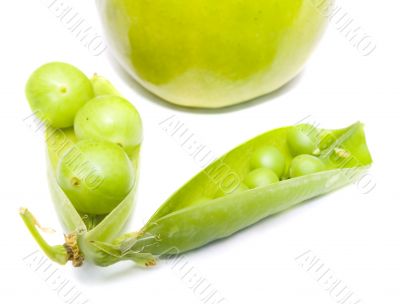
(56, 91)
(305, 164)
(303, 139)
(268, 157)
(110, 118)
(96, 176)
(208, 53)
(260, 178)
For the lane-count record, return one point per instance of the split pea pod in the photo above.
(218, 201)
(92, 181)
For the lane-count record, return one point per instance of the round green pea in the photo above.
(56, 91)
(303, 139)
(260, 177)
(96, 176)
(268, 157)
(110, 118)
(305, 164)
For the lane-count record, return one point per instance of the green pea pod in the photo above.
(198, 214)
(82, 228)
(214, 204)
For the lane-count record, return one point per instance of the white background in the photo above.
(354, 235)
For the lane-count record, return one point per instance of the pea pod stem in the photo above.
(57, 253)
(115, 252)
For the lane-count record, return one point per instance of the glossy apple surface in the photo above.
(212, 53)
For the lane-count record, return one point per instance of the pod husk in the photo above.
(198, 213)
(87, 227)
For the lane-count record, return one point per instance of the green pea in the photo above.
(260, 177)
(110, 118)
(268, 157)
(96, 176)
(56, 91)
(303, 139)
(305, 164)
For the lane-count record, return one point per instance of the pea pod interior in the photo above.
(208, 207)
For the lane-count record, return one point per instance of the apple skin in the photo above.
(212, 53)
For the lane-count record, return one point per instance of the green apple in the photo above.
(213, 53)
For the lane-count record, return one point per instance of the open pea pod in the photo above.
(213, 205)
(82, 229)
